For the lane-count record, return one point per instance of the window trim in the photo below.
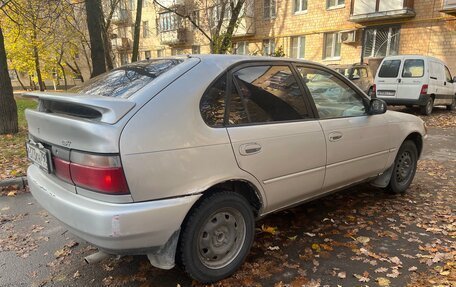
(337, 6)
(270, 16)
(333, 46)
(300, 12)
(299, 44)
(356, 89)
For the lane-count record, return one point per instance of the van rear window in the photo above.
(126, 80)
(389, 69)
(413, 68)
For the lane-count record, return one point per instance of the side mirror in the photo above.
(377, 107)
(454, 79)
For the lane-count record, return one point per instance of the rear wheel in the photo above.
(404, 168)
(427, 109)
(216, 237)
(452, 106)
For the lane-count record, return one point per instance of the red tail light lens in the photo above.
(106, 180)
(424, 90)
(101, 173)
(374, 89)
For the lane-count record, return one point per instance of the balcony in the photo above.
(121, 16)
(246, 26)
(373, 10)
(121, 43)
(449, 7)
(174, 37)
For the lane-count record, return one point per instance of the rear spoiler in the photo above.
(97, 108)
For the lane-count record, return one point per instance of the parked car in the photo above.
(176, 158)
(360, 74)
(416, 80)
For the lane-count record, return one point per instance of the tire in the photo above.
(452, 106)
(216, 237)
(404, 168)
(427, 109)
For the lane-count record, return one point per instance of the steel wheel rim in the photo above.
(221, 238)
(404, 167)
(429, 106)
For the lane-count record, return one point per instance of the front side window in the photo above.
(389, 69)
(298, 47)
(381, 42)
(269, 9)
(448, 75)
(332, 46)
(334, 3)
(126, 80)
(300, 6)
(266, 94)
(268, 47)
(413, 69)
(332, 96)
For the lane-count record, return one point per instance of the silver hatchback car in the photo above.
(175, 158)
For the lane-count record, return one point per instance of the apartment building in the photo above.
(326, 31)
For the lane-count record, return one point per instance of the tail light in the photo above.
(424, 90)
(374, 90)
(101, 173)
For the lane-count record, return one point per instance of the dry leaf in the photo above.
(384, 282)
(269, 229)
(342, 275)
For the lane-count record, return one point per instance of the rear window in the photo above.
(126, 80)
(389, 69)
(413, 69)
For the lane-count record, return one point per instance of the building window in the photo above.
(298, 47)
(147, 55)
(195, 18)
(177, 51)
(331, 46)
(160, 53)
(123, 58)
(268, 47)
(241, 48)
(196, 49)
(335, 3)
(169, 22)
(131, 5)
(381, 42)
(145, 29)
(269, 9)
(300, 6)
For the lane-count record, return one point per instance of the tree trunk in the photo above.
(64, 76)
(134, 57)
(94, 16)
(107, 47)
(36, 57)
(19, 80)
(8, 108)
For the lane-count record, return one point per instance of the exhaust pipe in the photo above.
(96, 257)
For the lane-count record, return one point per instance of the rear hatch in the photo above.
(387, 79)
(75, 136)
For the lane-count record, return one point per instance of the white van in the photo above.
(415, 80)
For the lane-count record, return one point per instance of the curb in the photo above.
(20, 181)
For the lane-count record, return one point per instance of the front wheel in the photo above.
(427, 109)
(216, 237)
(452, 106)
(404, 168)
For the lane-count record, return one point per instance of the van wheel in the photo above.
(404, 168)
(452, 106)
(427, 109)
(216, 237)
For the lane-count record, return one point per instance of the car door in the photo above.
(357, 143)
(387, 78)
(274, 134)
(412, 76)
(450, 87)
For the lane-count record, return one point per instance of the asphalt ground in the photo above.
(361, 236)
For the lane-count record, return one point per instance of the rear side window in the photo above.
(389, 69)
(363, 72)
(266, 94)
(126, 80)
(448, 75)
(413, 69)
(212, 105)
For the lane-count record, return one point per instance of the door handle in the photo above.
(249, 148)
(444, 83)
(399, 80)
(335, 136)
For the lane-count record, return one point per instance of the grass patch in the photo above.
(13, 160)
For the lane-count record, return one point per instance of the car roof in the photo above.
(412, 56)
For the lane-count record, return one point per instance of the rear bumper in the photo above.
(421, 101)
(125, 228)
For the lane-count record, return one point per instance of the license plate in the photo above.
(386, 93)
(39, 155)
